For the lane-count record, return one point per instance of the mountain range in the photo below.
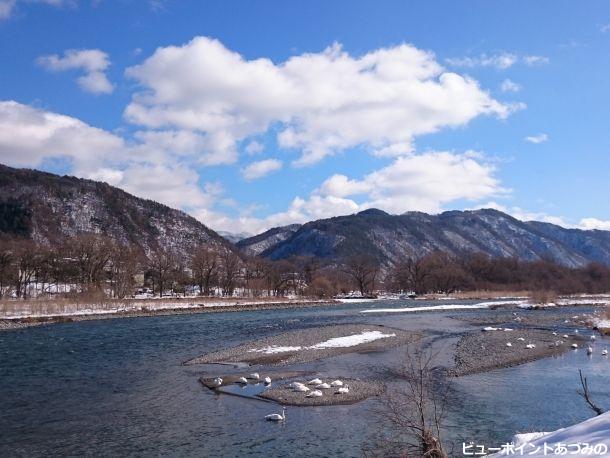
(50, 208)
(389, 237)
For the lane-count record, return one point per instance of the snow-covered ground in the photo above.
(42, 310)
(431, 308)
(569, 441)
(336, 342)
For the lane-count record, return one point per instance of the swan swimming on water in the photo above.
(604, 352)
(267, 380)
(276, 416)
(589, 350)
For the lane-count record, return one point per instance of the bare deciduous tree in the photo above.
(363, 270)
(230, 269)
(204, 266)
(162, 266)
(586, 395)
(412, 417)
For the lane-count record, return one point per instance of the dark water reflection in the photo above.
(117, 388)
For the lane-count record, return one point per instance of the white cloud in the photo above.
(535, 60)
(524, 215)
(260, 169)
(604, 28)
(322, 102)
(254, 147)
(510, 86)
(537, 139)
(424, 182)
(208, 151)
(501, 61)
(6, 8)
(92, 62)
(28, 135)
(594, 223)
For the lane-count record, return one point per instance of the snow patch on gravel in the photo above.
(336, 342)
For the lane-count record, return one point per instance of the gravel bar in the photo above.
(296, 346)
(481, 351)
(358, 391)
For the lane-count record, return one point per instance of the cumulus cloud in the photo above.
(260, 169)
(28, 135)
(322, 102)
(525, 215)
(500, 61)
(594, 223)
(537, 139)
(535, 60)
(509, 86)
(254, 147)
(6, 8)
(92, 62)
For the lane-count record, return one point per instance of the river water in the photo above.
(117, 388)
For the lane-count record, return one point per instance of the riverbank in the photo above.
(155, 307)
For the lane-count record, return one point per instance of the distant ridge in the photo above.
(50, 208)
(391, 237)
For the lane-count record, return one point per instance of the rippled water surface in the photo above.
(117, 387)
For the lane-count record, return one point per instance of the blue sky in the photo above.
(253, 114)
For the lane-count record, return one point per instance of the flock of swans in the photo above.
(558, 343)
(315, 388)
(316, 391)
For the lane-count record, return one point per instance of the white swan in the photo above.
(554, 333)
(589, 350)
(315, 381)
(530, 346)
(604, 352)
(565, 336)
(508, 344)
(217, 381)
(593, 337)
(276, 416)
(314, 394)
(296, 384)
(301, 389)
(254, 376)
(520, 338)
(242, 380)
(336, 383)
(267, 380)
(322, 386)
(343, 390)
(574, 345)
